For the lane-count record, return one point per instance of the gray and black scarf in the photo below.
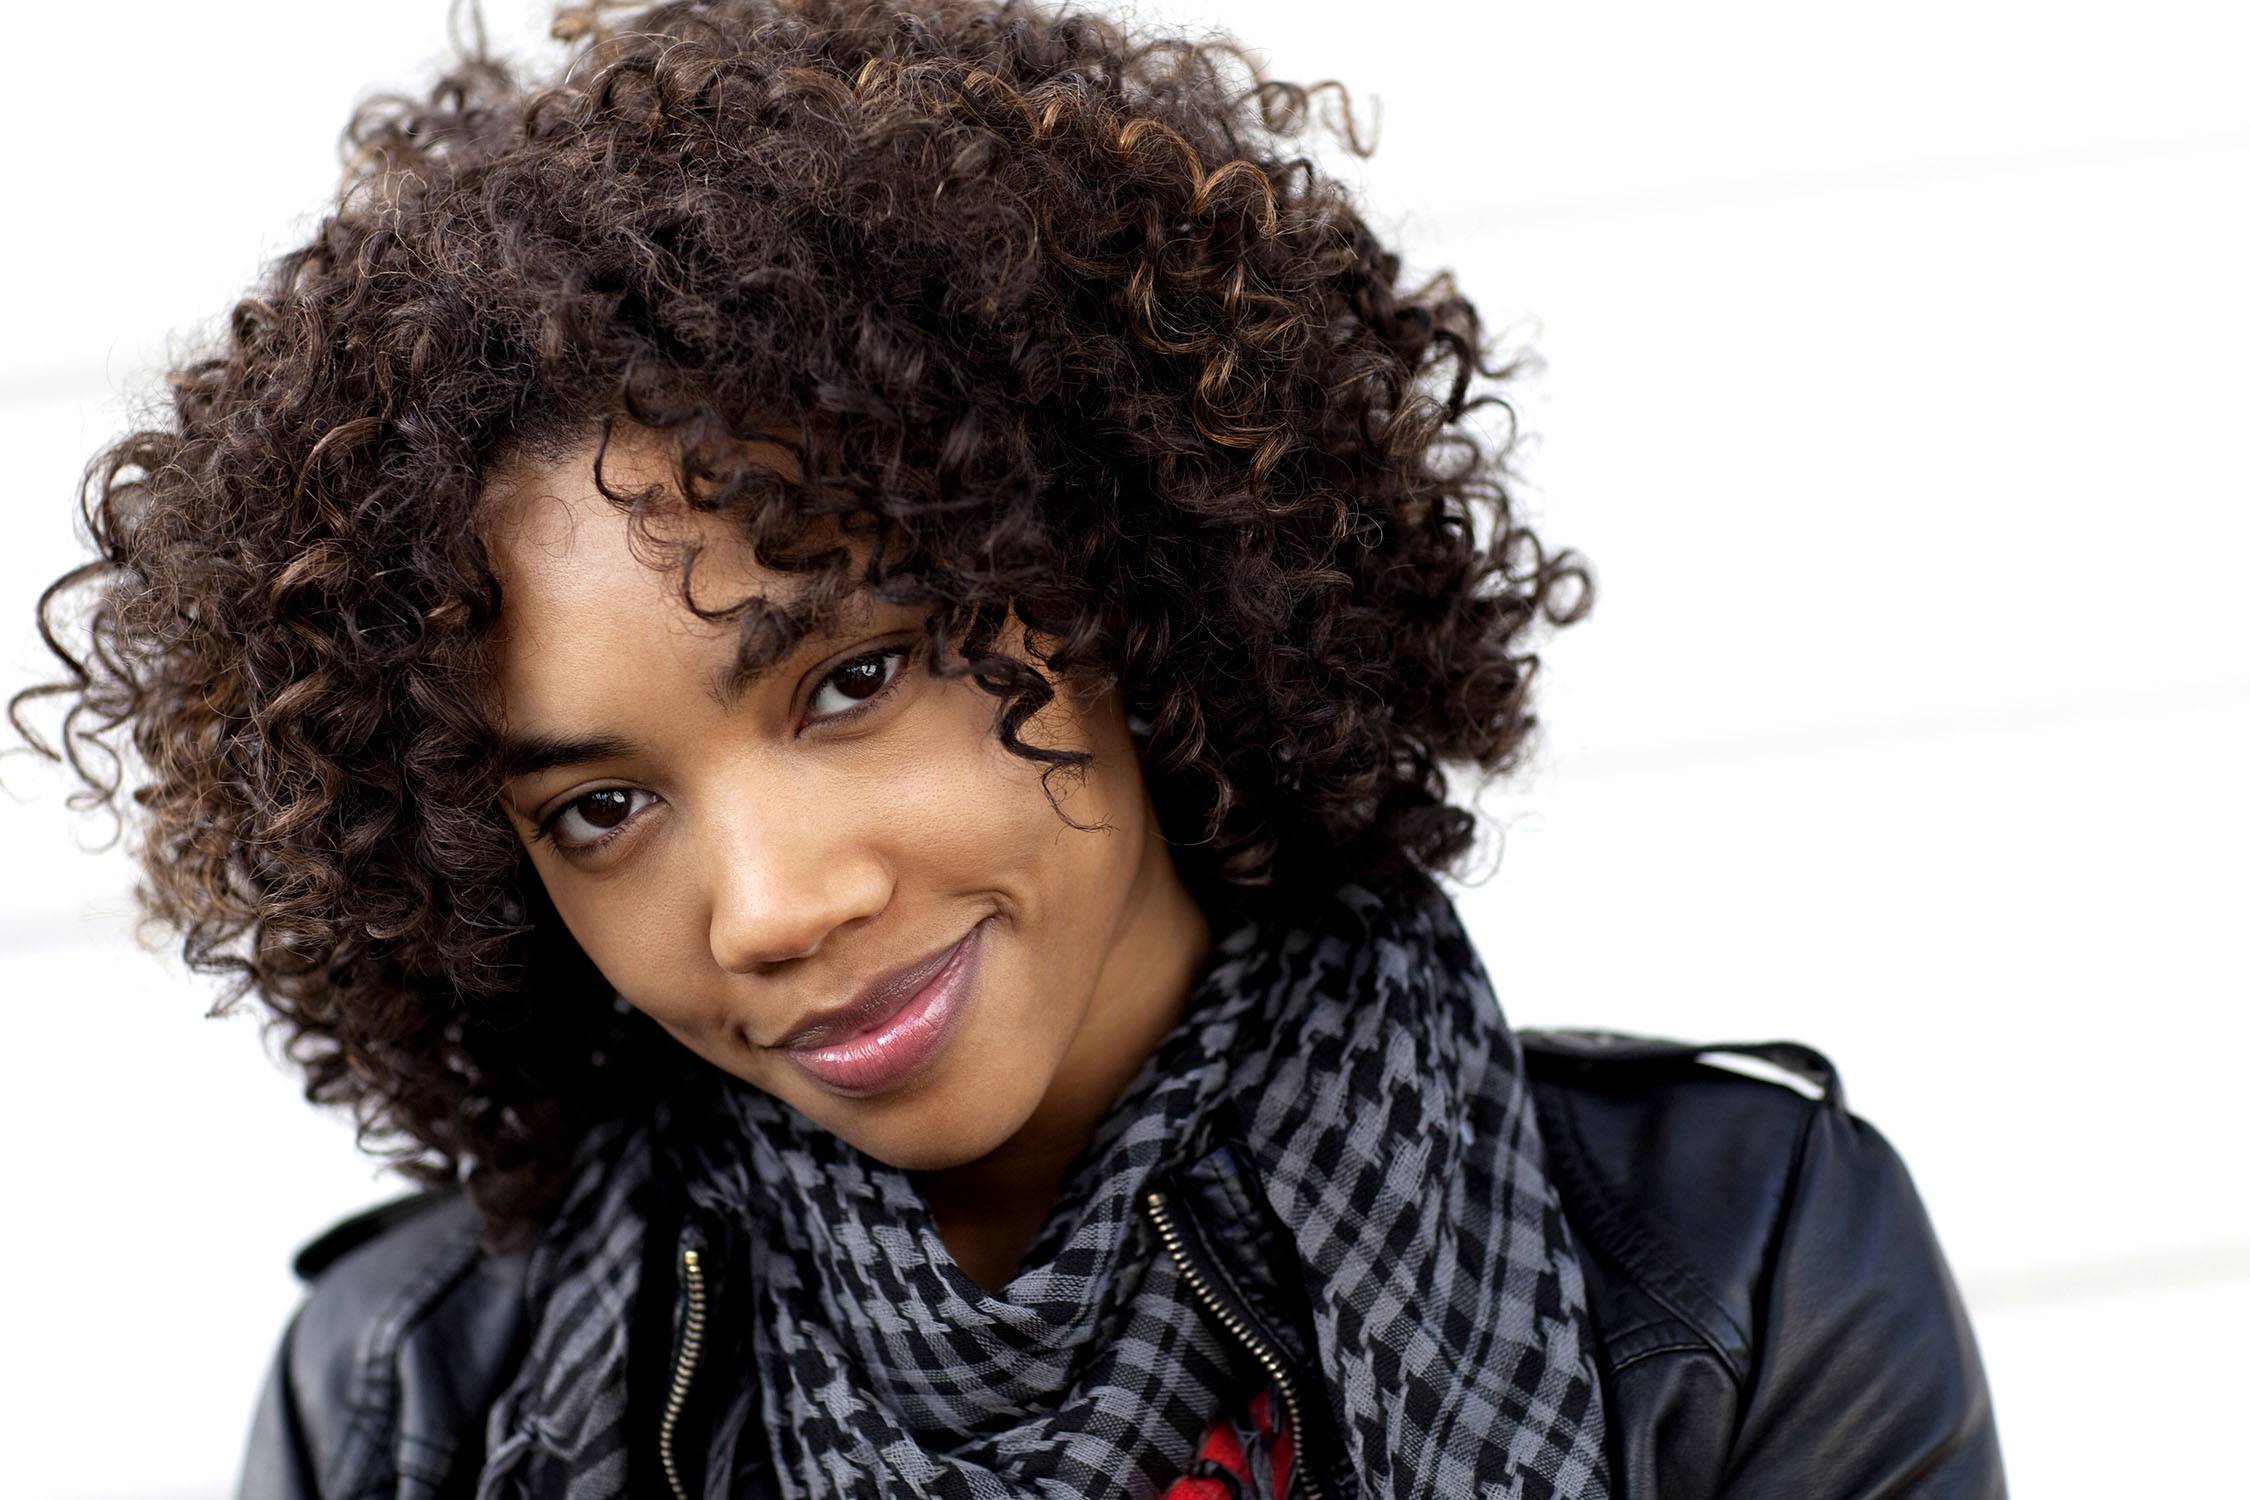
(1383, 1100)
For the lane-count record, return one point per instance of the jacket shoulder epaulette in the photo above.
(1674, 1172)
(317, 1254)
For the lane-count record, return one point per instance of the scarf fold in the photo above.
(1392, 1131)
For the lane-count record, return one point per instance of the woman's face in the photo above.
(745, 867)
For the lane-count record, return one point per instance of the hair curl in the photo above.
(1060, 329)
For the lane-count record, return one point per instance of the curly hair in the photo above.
(1061, 332)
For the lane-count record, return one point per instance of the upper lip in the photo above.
(876, 1001)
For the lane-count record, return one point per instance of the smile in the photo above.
(889, 1049)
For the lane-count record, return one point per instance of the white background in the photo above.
(1897, 364)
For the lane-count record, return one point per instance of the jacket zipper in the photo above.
(683, 1367)
(1161, 1213)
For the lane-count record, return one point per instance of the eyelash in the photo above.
(546, 826)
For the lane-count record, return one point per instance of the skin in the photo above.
(769, 857)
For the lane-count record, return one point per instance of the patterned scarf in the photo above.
(1383, 1102)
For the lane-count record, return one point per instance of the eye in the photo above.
(855, 684)
(588, 822)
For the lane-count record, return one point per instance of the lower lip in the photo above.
(885, 1056)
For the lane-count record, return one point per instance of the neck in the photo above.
(989, 1211)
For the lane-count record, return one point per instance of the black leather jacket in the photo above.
(1773, 1315)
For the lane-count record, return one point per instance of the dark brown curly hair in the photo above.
(1060, 329)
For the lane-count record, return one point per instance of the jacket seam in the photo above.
(1791, 1194)
(1792, 1191)
(1639, 1356)
(1634, 1331)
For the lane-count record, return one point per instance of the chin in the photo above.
(944, 1133)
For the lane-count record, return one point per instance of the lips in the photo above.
(894, 1027)
(874, 1004)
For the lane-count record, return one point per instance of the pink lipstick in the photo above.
(894, 1028)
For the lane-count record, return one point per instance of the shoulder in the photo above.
(400, 1290)
(412, 1327)
(1769, 1296)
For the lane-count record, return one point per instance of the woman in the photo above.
(811, 665)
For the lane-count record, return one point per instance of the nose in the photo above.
(783, 876)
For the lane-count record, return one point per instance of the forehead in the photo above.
(542, 506)
(562, 549)
(586, 604)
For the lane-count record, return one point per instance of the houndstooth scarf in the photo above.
(1383, 1101)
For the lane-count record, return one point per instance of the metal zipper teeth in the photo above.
(1161, 1213)
(683, 1369)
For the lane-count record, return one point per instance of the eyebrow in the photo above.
(727, 685)
(528, 755)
